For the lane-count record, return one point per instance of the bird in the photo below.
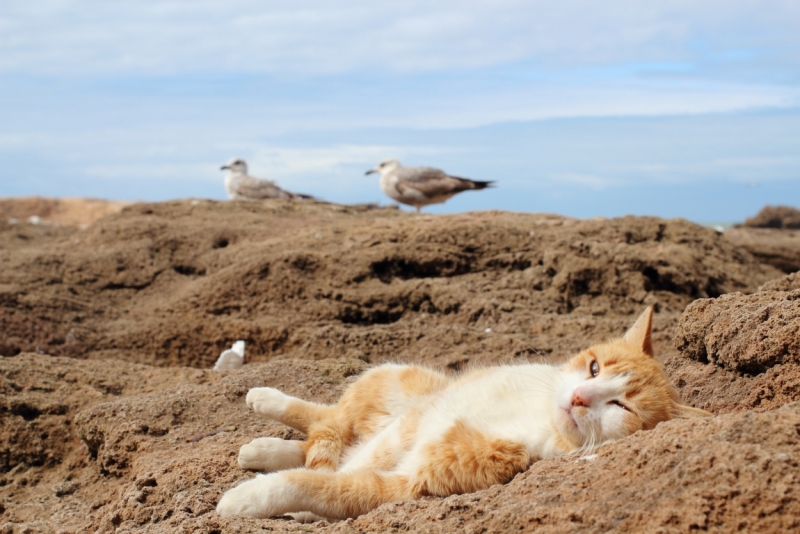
(240, 186)
(420, 186)
(233, 358)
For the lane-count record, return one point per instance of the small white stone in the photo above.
(488, 330)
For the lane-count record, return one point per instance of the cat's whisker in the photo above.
(534, 395)
(547, 358)
(519, 369)
(588, 446)
(548, 388)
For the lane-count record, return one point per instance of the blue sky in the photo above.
(671, 108)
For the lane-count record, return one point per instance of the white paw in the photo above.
(270, 454)
(263, 496)
(267, 401)
(305, 517)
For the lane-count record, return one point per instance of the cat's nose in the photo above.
(580, 398)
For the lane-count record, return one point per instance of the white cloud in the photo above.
(549, 100)
(762, 162)
(310, 38)
(760, 169)
(285, 161)
(146, 172)
(297, 66)
(588, 180)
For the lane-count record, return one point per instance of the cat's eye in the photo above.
(594, 368)
(618, 403)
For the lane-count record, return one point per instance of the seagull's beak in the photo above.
(370, 172)
(224, 167)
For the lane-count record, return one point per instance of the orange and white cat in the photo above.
(402, 431)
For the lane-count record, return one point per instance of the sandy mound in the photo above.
(144, 442)
(784, 283)
(778, 248)
(176, 283)
(59, 211)
(776, 217)
(749, 334)
(772, 236)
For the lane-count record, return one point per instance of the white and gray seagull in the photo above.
(420, 186)
(240, 186)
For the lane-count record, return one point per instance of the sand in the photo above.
(113, 421)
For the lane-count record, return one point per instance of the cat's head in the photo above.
(613, 389)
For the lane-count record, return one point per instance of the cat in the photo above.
(403, 431)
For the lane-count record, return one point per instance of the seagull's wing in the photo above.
(433, 182)
(419, 174)
(250, 187)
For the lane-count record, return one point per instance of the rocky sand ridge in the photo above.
(112, 420)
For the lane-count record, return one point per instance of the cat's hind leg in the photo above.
(291, 411)
(331, 495)
(326, 436)
(272, 454)
(325, 444)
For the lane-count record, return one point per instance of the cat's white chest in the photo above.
(510, 403)
(514, 403)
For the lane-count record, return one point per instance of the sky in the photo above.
(669, 108)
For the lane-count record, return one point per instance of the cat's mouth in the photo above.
(571, 417)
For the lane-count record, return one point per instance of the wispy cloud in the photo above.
(763, 162)
(418, 64)
(285, 161)
(150, 172)
(313, 37)
(588, 180)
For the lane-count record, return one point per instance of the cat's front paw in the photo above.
(263, 496)
(267, 401)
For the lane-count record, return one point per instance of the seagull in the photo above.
(230, 359)
(420, 186)
(240, 186)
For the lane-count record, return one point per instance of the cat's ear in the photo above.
(687, 412)
(639, 334)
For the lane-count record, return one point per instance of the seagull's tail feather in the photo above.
(478, 184)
